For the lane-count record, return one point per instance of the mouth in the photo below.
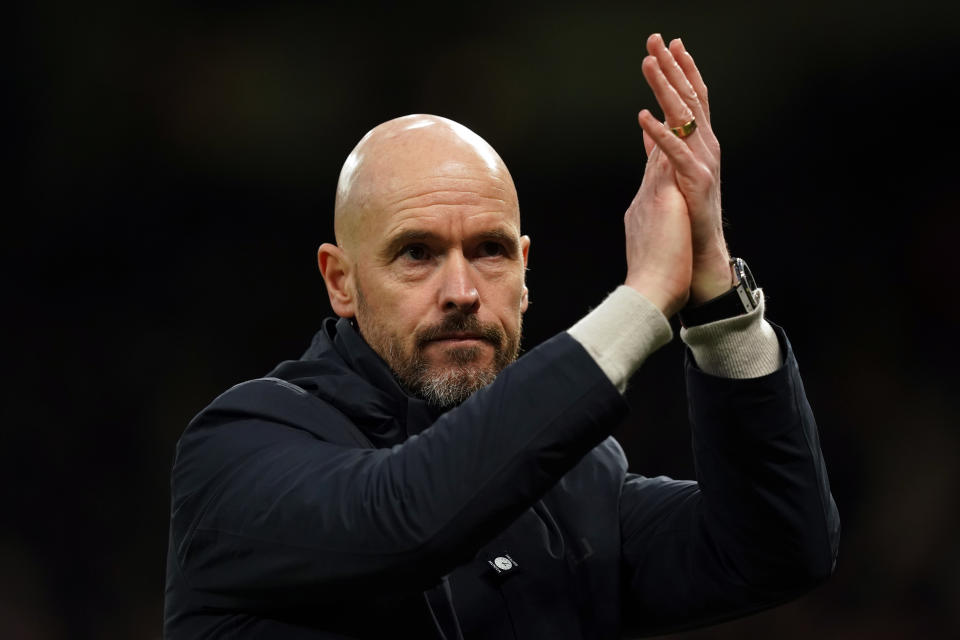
(459, 338)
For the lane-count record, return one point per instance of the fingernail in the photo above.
(681, 44)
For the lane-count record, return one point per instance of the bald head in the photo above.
(394, 159)
(429, 260)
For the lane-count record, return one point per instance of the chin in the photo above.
(446, 387)
(476, 355)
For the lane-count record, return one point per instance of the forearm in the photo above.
(760, 525)
(336, 521)
(762, 473)
(622, 332)
(743, 346)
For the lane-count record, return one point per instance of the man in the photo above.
(407, 478)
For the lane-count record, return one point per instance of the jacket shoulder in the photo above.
(275, 400)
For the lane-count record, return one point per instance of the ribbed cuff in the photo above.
(621, 333)
(744, 346)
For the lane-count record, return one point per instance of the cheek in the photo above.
(399, 309)
(508, 300)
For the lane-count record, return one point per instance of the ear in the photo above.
(338, 276)
(525, 250)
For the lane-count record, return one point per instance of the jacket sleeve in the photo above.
(266, 512)
(757, 528)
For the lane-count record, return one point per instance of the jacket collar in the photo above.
(361, 385)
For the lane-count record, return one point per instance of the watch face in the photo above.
(747, 287)
(743, 271)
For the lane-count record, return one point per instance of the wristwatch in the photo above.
(744, 297)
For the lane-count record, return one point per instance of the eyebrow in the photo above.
(413, 236)
(507, 239)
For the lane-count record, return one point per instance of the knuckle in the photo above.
(700, 177)
(707, 174)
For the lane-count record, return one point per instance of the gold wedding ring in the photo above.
(685, 129)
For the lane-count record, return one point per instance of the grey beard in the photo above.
(445, 388)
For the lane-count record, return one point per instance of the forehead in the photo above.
(447, 205)
(450, 196)
(423, 171)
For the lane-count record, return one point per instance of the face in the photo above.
(439, 279)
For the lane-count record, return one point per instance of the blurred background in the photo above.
(171, 172)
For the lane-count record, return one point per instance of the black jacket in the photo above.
(317, 503)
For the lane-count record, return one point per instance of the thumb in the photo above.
(648, 144)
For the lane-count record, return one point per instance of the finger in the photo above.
(675, 75)
(685, 60)
(648, 143)
(675, 110)
(681, 157)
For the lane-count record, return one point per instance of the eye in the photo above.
(492, 249)
(416, 252)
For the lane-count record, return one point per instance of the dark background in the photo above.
(171, 171)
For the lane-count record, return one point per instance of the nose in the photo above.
(458, 289)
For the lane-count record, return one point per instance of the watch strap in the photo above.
(724, 306)
(741, 299)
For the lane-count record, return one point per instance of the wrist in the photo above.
(667, 302)
(742, 297)
(711, 279)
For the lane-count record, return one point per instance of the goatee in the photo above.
(445, 386)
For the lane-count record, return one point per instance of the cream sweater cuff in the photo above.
(744, 346)
(621, 333)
